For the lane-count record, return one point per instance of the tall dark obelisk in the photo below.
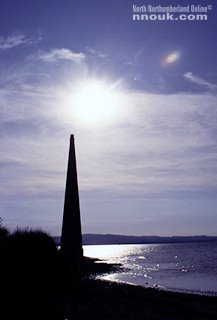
(71, 239)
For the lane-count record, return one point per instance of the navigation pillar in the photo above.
(71, 239)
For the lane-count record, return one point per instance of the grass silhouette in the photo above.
(3, 231)
(34, 278)
(30, 273)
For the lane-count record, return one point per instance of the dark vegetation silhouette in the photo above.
(3, 231)
(34, 281)
(30, 275)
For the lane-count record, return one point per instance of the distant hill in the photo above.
(97, 239)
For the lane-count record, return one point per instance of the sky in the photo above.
(140, 99)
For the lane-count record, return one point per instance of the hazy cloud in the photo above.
(166, 143)
(15, 40)
(95, 52)
(55, 55)
(163, 145)
(200, 81)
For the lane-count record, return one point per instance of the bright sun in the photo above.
(96, 102)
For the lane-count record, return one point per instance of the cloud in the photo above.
(200, 81)
(165, 145)
(95, 52)
(15, 40)
(55, 55)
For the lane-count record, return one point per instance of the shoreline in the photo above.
(101, 269)
(168, 269)
(100, 299)
(160, 288)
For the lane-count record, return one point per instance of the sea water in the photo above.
(189, 267)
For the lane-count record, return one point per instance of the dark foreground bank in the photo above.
(95, 299)
(101, 300)
(34, 285)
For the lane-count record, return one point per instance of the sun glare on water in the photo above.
(96, 102)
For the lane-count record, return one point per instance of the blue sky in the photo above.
(151, 169)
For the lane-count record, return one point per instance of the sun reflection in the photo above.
(108, 251)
